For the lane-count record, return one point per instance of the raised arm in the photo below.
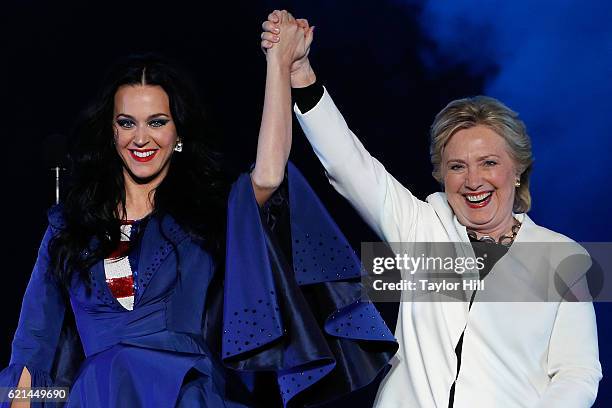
(387, 206)
(274, 142)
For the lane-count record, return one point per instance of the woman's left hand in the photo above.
(291, 40)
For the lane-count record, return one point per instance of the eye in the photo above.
(490, 163)
(156, 123)
(125, 123)
(456, 167)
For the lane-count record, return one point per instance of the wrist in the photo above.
(303, 76)
(277, 65)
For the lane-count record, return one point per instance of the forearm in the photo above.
(573, 360)
(274, 142)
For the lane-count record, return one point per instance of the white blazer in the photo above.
(514, 354)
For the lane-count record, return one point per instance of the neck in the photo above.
(139, 197)
(504, 228)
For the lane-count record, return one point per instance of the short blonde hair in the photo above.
(483, 110)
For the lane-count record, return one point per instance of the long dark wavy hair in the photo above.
(193, 191)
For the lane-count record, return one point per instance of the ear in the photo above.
(519, 174)
(517, 180)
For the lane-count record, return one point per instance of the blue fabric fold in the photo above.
(299, 315)
(359, 320)
(321, 253)
(251, 316)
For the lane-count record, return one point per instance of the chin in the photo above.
(142, 175)
(479, 221)
(145, 176)
(470, 218)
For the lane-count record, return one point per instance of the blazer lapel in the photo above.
(155, 247)
(161, 236)
(455, 313)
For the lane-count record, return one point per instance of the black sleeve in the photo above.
(306, 98)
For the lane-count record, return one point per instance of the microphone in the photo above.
(55, 157)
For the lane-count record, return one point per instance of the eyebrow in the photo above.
(155, 115)
(479, 159)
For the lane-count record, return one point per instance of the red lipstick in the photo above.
(478, 204)
(143, 155)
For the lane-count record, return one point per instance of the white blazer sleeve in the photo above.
(384, 203)
(573, 358)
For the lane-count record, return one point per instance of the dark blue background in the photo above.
(390, 66)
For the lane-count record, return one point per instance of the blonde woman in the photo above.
(461, 354)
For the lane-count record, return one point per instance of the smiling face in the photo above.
(145, 134)
(479, 180)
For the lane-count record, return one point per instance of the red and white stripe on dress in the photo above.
(118, 271)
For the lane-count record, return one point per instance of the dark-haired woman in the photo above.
(136, 244)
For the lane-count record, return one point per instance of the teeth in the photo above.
(479, 197)
(143, 154)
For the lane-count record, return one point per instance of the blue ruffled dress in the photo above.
(286, 320)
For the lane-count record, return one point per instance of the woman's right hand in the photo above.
(25, 381)
(281, 25)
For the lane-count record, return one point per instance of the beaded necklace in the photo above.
(505, 240)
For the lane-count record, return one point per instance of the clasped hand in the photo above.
(286, 40)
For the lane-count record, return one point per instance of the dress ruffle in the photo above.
(300, 314)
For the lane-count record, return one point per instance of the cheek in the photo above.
(452, 183)
(504, 180)
(122, 139)
(166, 138)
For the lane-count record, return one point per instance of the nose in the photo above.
(141, 137)
(473, 180)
